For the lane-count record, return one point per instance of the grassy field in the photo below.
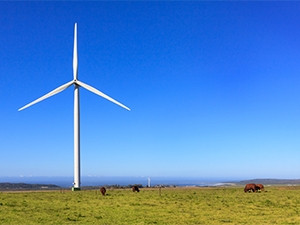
(278, 205)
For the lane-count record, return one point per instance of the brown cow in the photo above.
(260, 186)
(103, 190)
(251, 187)
(135, 188)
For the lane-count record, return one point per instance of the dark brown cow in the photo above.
(260, 186)
(135, 188)
(103, 190)
(251, 187)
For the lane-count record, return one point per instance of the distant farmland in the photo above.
(278, 205)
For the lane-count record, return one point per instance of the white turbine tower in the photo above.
(76, 84)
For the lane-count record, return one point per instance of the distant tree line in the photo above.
(23, 186)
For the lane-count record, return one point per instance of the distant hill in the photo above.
(23, 186)
(269, 181)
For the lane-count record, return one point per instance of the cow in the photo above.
(135, 188)
(251, 187)
(260, 186)
(103, 190)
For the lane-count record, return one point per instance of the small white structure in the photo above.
(149, 182)
(76, 84)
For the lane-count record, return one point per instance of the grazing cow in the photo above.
(135, 188)
(251, 187)
(103, 190)
(260, 186)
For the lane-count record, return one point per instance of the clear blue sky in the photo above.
(213, 88)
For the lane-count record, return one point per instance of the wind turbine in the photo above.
(76, 84)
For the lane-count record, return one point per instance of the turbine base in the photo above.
(75, 189)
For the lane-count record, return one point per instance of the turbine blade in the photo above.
(97, 92)
(55, 91)
(75, 55)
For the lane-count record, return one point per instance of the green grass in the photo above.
(278, 205)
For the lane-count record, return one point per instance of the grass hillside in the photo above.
(277, 205)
